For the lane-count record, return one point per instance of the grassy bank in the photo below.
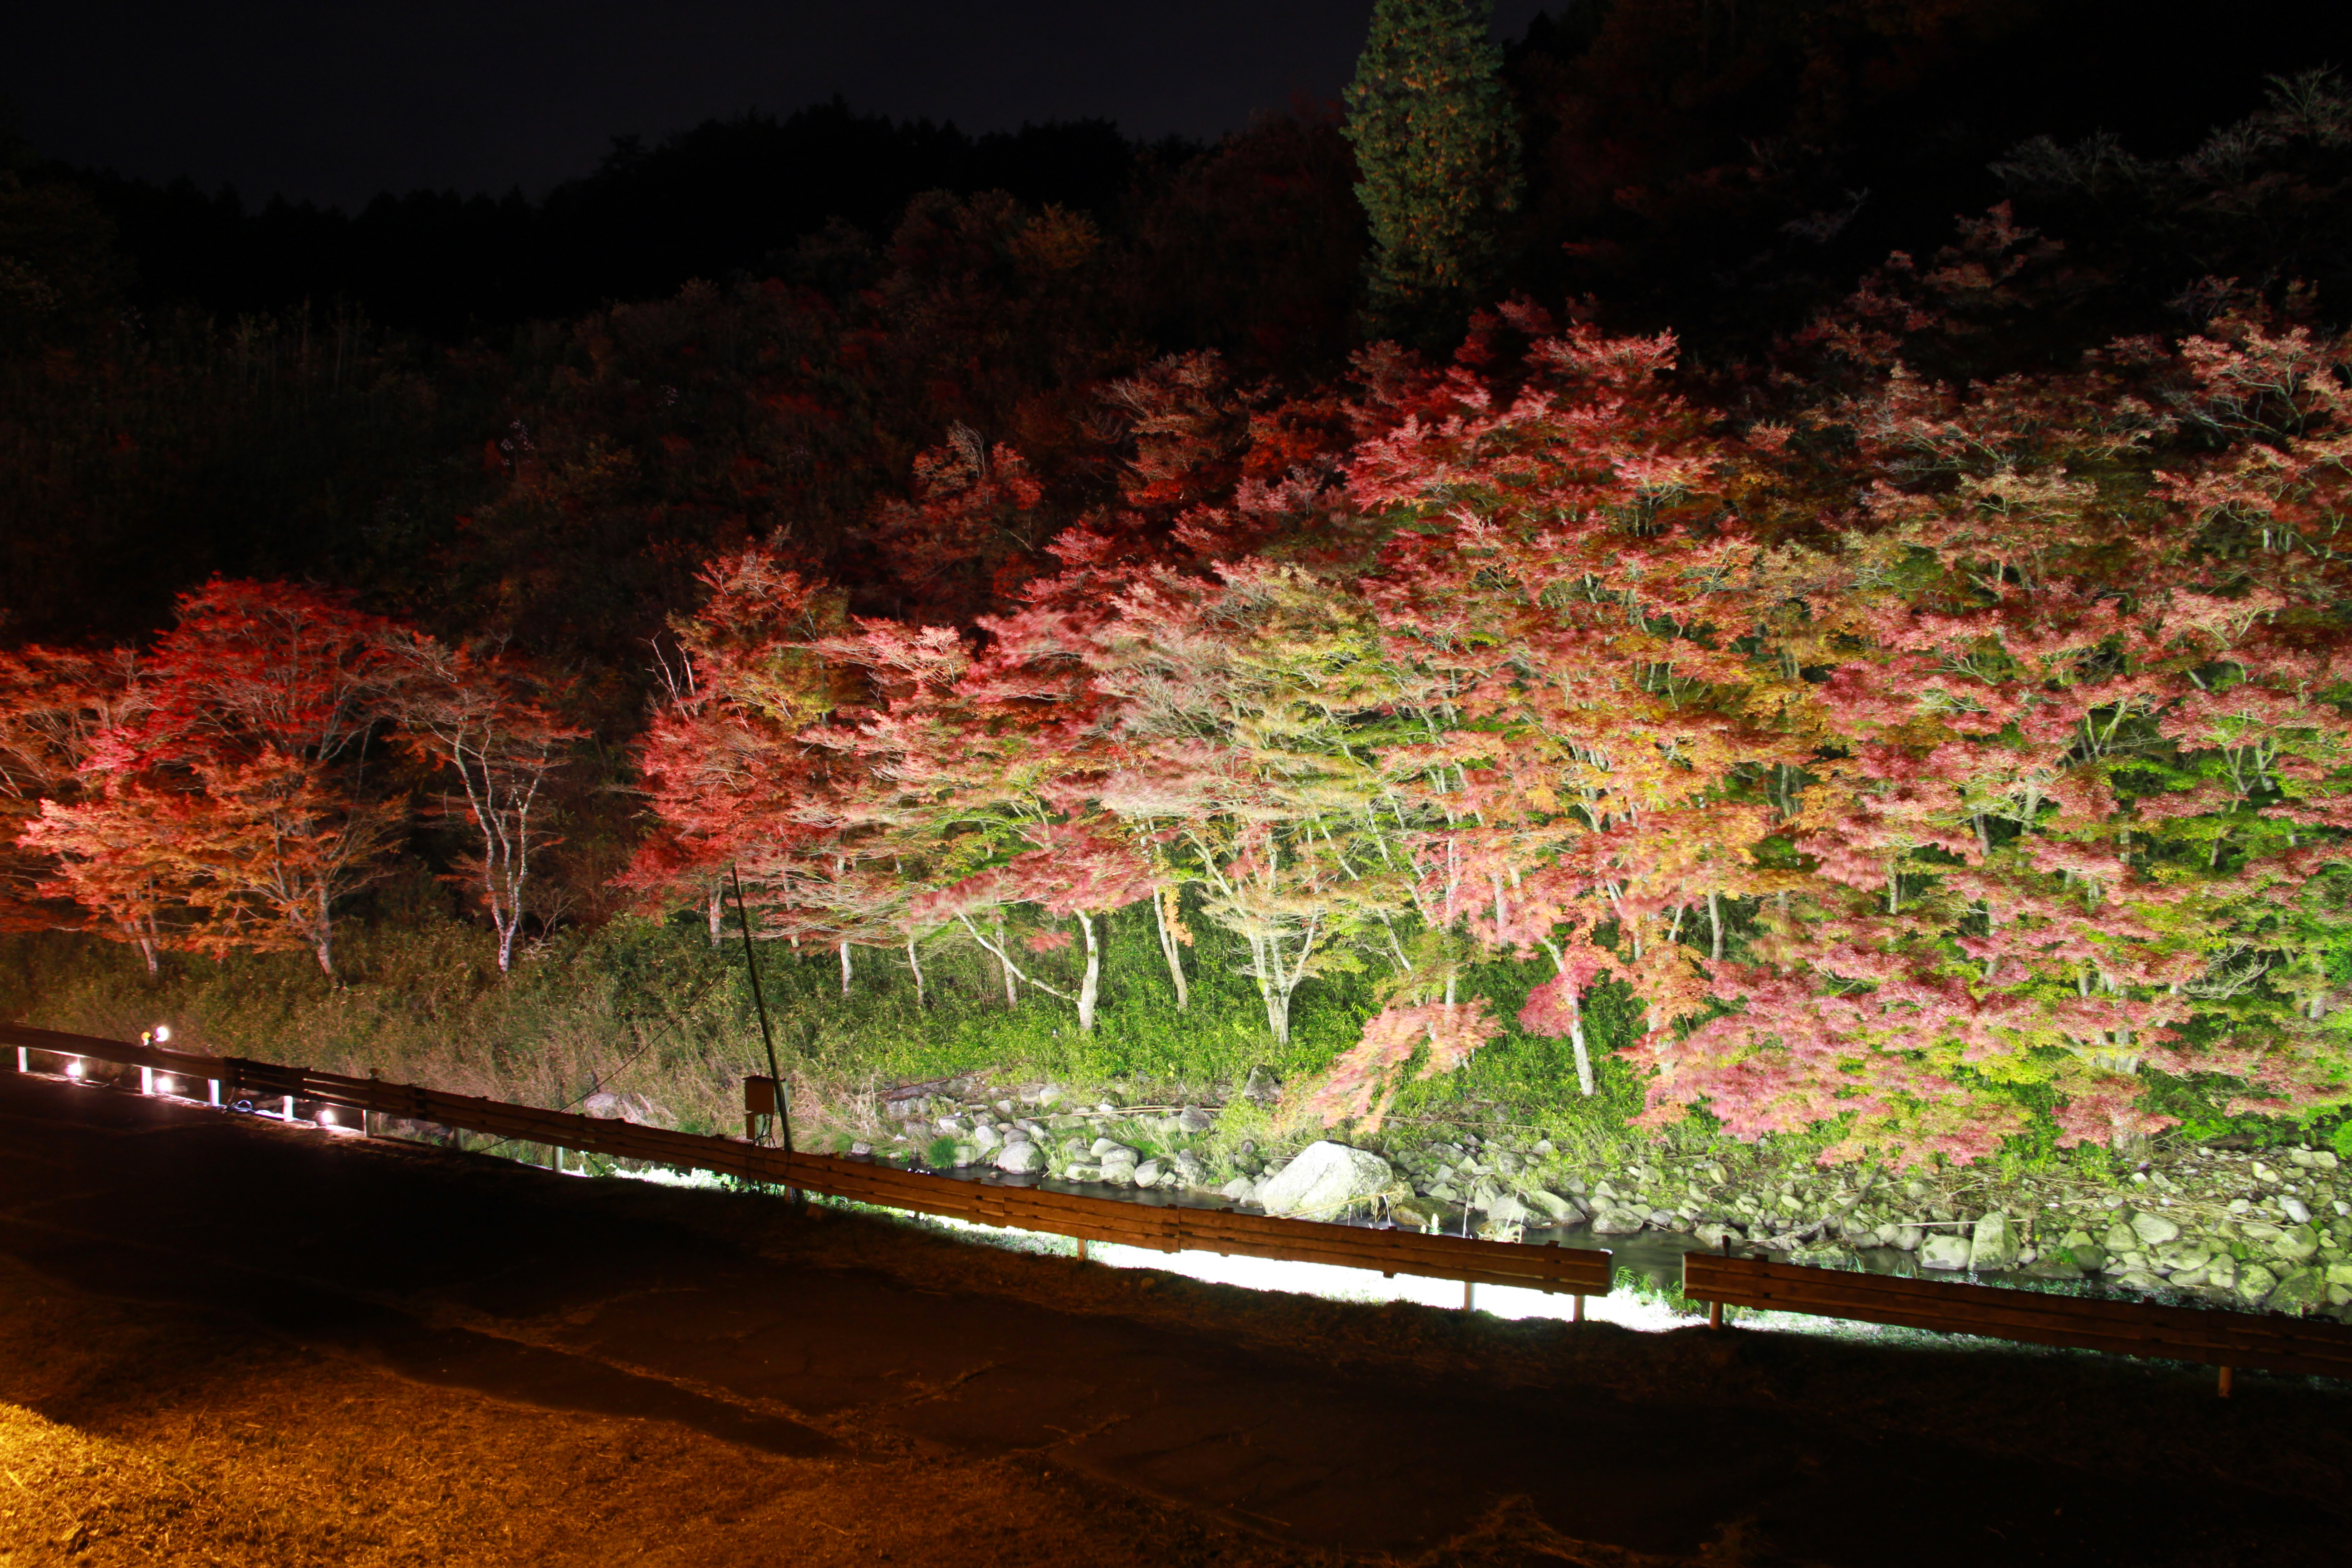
(652, 1009)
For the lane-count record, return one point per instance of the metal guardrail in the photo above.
(1161, 1227)
(2215, 1337)
(2223, 1338)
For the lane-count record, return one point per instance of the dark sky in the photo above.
(335, 100)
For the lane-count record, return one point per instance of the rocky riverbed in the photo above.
(2270, 1229)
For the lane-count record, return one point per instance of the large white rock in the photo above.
(2154, 1228)
(1020, 1158)
(1325, 1179)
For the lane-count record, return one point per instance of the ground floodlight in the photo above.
(162, 1033)
(163, 1085)
(73, 1069)
(326, 1119)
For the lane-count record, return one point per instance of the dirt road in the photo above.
(230, 1340)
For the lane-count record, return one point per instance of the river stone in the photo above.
(2254, 1282)
(2221, 1272)
(1943, 1250)
(2339, 1274)
(1021, 1158)
(1192, 1119)
(1715, 1235)
(1555, 1210)
(1079, 1171)
(1992, 1244)
(1616, 1219)
(1148, 1173)
(2295, 1244)
(2299, 1289)
(2295, 1209)
(1240, 1190)
(1323, 1180)
(1506, 1208)
(2154, 1228)
(1188, 1170)
(1417, 1214)
(1907, 1238)
(965, 1154)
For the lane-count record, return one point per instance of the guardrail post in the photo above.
(287, 1111)
(1580, 1309)
(24, 1059)
(2225, 1381)
(1469, 1295)
(146, 1079)
(213, 1089)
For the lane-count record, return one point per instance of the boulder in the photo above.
(1105, 1147)
(1192, 1119)
(2120, 1237)
(1148, 1173)
(2221, 1272)
(2298, 1289)
(2295, 1209)
(1992, 1244)
(1188, 1171)
(1715, 1236)
(2295, 1244)
(986, 1138)
(2254, 1282)
(1555, 1209)
(2154, 1229)
(1241, 1190)
(1618, 1219)
(1907, 1238)
(1944, 1250)
(1507, 1209)
(965, 1154)
(1324, 1180)
(1262, 1086)
(1022, 1159)
(1080, 1171)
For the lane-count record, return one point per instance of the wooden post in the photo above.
(288, 1109)
(1714, 1314)
(1082, 1250)
(2225, 1381)
(146, 1079)
(212, 1087)
(1469, 1295)
(24, 1059)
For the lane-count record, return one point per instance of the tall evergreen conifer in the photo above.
(1438, 148)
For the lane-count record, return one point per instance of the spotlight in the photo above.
(163, 1086)
(326, 1119)
(73, 1069)
(162, 1033)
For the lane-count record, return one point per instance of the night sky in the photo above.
(334, 102)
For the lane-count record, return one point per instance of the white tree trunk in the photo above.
(1090, 987)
